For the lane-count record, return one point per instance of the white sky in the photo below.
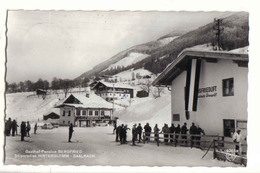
(65, 44)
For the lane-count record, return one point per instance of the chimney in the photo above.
(87, 92)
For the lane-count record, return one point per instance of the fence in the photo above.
(186, 140)
(222, 150)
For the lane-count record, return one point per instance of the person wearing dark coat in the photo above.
(172, 130)
(193, 131)
(184, 133)
(118, 129)
(23, 130)
(35, 128)
(156, 132)
(139, 132)
(8, 126)
(115, 126)
(165, 130)
(147, 130)
(70, 131)
(28, 128)
(122, 133)
(200, 131)
(177, 132)
(14, 128)
(134, 134)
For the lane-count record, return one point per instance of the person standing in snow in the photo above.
(166, 132)
(172, 130)
(23, 130)
(121, 133)
(115, 126)
(156, 132)
(125, 134)
(193, 131)
(177, 132)
(139, 132)
(8, 126)
(14, 127)
(134, 134)
(35, 128)
(200, 131)
(184, 133)
(70, 131)
(28, 128)
(118, 129)
(147, 130)
(237, 138)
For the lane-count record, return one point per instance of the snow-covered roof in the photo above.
(116, 85)
(93, 101)
(172, 70)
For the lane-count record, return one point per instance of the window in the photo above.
(69, 113)
(176, 117)
(228, 87)
(68, 122)
(229, 127)
(84, 112)
(90, 112)
(63, 121)
(102, 112)
(64, 113)
(96, 112)
(78, 111)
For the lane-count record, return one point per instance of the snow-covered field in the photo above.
(132, 58)
(97, 146)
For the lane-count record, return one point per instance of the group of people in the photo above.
(169, 133)
(11, 127)
(25, 128)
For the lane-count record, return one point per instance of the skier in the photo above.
(70, 131)
(147, 130)
(139, 132)
(23, 130)
(28, 128)
(134, 134)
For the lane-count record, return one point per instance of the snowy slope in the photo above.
(127, 75)
(167, 40)
(153, 111)
(132, 58)
(32, 108)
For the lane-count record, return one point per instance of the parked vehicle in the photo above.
(47, 126)
(55, 125)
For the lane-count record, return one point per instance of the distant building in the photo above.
(110, 91)
(142, 93)
(41, 92)
(83, 111)
(51, 115)
(210, 89)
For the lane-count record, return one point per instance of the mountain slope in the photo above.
(235, 35)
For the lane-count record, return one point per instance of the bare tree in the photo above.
(146, 86)
(66, 86)
(157, 91)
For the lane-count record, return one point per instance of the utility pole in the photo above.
(218, 30)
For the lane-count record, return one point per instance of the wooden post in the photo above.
(214, 148)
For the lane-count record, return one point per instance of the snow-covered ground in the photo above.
(97, 146)
(132, 58)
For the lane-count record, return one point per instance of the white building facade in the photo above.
(209, 89)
